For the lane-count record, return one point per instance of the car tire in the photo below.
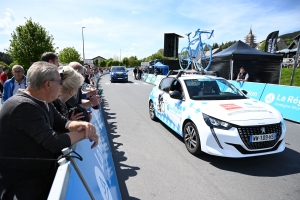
(191, 138)
(152, 111)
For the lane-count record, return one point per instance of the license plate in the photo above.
(263, 138)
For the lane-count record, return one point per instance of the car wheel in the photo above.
(152, 111)
(191, 138)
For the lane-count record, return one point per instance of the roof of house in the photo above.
(98, 57)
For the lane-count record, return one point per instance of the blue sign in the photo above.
(286, 99)
(254, 90)
(97, 166)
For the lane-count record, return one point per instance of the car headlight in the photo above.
(216, 123)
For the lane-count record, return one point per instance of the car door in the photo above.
(162, 98)
(174, 111)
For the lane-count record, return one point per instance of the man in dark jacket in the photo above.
(140, 72)
(243, 75)
(135, 72)
(29, 138)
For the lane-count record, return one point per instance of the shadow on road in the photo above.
(124, 172)
(280, 164)
(129, 82)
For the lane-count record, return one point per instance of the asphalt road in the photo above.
(152, 162)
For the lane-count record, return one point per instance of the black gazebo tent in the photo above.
(262, 67)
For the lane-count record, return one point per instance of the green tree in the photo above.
(161, 52)
(288, 41)
(125, 61)
(137, 63)
(4, 57)
(69, 54)
(110, 63)
(131, 60)
(115, 63)
(215, 45)
(3, 64)
(29, 42)
(262, 46)
(103, 63)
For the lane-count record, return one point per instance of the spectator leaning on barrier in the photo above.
(50, 57)
(3, 78)
(18, 81)
(87, 78)
(72, 81)
(243, 75)
(77, 99)
(29, 125)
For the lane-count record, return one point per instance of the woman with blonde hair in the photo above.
(71, 82)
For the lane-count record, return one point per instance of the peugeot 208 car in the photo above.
(215, 117)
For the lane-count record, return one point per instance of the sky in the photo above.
(120, 28)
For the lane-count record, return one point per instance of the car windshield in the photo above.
(118, 69)
(212, 89)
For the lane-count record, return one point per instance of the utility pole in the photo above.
(83, 44)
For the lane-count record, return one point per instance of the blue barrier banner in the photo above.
(286, 99)
(254, 90)
(149, 78)
(97, 166)
(152, 81)
(76, 189)
(158, 79)
(144, 77)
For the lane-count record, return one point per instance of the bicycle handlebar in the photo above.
(200, 32)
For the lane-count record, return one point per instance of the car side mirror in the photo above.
(245, 92)
(176, 95)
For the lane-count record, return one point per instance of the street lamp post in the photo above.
(83, 44)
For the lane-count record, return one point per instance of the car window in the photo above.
(118, 69)
(165, 84)
(212, 89)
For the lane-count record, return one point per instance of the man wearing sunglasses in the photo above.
(18, 81)
(29, 137)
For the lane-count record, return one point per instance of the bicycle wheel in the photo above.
(184, 59)
(204, 57)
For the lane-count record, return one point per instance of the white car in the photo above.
(215, 117)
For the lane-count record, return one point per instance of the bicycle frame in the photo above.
(193, 55)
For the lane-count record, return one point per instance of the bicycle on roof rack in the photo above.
(196, 57)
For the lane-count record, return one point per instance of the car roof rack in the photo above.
(178, 73)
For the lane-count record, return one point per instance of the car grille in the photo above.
(246, 131)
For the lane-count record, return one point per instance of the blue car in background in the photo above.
(118, 73)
